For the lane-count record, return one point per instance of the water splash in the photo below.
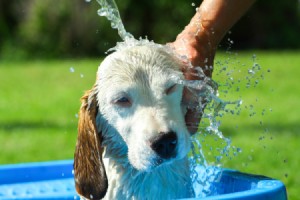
(210, 106)
(72, 70)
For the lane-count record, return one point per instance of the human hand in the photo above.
(196, 51)
(199, 40)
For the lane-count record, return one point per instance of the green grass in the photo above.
(38, 105)
(39, 101)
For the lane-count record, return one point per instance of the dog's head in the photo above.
(135, 104)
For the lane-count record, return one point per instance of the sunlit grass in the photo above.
(39, 101)
(38, 105)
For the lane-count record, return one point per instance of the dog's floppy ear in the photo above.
(90, 176)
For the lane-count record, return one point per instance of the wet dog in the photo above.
(132, 138)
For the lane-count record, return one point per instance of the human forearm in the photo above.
(216, 17)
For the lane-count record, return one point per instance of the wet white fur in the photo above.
(142, 74)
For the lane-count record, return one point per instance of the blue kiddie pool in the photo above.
(54, 180)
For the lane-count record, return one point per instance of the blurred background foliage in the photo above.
(55, 28)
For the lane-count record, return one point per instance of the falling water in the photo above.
(110, 10)
(205, 90)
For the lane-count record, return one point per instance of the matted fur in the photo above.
(88, 167)
(146, 76)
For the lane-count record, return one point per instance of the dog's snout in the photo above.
(164, 144)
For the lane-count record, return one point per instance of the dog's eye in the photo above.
(123, 102)
(171, 89)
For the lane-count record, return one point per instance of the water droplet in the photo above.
(72, 70)
(250, 71)
(261, 138)
(88, 1)
(193, 4)
(250, 157)
(266, 130)
(102, 12)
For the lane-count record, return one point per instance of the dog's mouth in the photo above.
(164, 147)
(154, 163)
(157, 162)
(160, 161)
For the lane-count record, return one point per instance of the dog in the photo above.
(132, 138)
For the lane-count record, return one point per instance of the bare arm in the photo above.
(200, 39)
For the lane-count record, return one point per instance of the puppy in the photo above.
(132, 139)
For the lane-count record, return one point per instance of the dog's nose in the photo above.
(164, 144)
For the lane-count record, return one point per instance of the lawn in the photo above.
(39, 101)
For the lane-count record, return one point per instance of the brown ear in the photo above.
(90, 177)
